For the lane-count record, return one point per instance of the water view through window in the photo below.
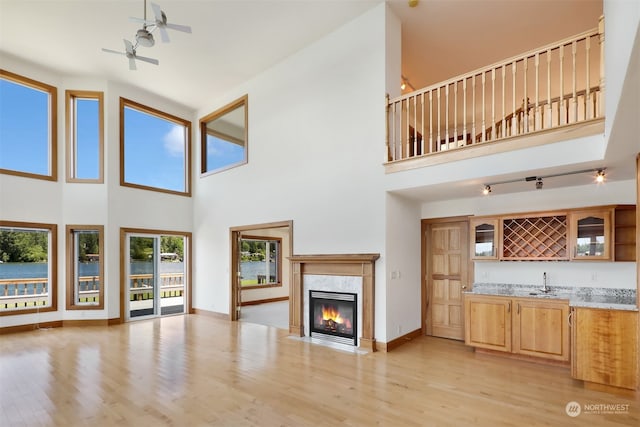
(25, 268)
(260, 261)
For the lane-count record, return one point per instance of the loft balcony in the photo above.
(549, 94)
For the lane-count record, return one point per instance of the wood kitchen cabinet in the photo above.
(591, 234)
(541, 328)
(488, 322)
(600, 233)
(525, 326)
(605, 346)
(484, 238)
(625, 233)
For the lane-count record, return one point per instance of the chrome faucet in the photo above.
(545, 288)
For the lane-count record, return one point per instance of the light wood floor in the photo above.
(196, 370)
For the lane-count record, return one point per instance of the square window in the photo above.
(155, 150)
(28, 273)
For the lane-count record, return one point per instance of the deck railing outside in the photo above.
(549, 87)
(34, 292)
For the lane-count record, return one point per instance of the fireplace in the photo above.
(333, 316)
(352, 273)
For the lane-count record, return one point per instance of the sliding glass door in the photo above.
(155, 275)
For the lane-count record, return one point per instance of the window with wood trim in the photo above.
(28, 271)
(85, 267)
(84, 135)
(28, 127)
(155, 149)
(260, 261)
(224, 137)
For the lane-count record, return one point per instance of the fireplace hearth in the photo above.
(333, 316)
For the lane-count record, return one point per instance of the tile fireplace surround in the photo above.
(360, 265)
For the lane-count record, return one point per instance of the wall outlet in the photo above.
(594, 277)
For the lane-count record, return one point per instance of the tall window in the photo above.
(27, 127)
(260, 261)
(155, 151)
(85, 128)
(85, 267)
(28, 267)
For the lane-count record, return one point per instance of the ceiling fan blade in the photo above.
(157, 12)
(132, 63)
(164, 36)
(149, 60)
(141, 21)
(183, 28)
(128, 46)
(113, 51)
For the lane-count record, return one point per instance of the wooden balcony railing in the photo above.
(556, 85)
(34, 292)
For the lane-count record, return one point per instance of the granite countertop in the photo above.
(607, 298)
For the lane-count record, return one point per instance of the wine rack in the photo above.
(535, 238)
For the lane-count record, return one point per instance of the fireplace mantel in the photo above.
(361, 265)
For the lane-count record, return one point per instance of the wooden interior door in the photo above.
(447, 253)
(236, 278)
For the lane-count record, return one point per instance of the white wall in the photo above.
(316, 138)
(622, 22)
(108, 204)
(403, 249)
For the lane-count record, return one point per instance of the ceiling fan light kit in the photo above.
(144, 36)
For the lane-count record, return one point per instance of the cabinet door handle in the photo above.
(570, 318)
(509, 307)
(518, 308)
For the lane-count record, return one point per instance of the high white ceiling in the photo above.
(232, 40)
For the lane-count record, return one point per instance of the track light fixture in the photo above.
(406, 84)
(539, 183)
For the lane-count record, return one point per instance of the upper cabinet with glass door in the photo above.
(223, 136)
(484, 238)
(590, 234)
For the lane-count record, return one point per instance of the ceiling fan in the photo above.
(144, 36)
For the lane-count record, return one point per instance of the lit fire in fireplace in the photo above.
(332, 321)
